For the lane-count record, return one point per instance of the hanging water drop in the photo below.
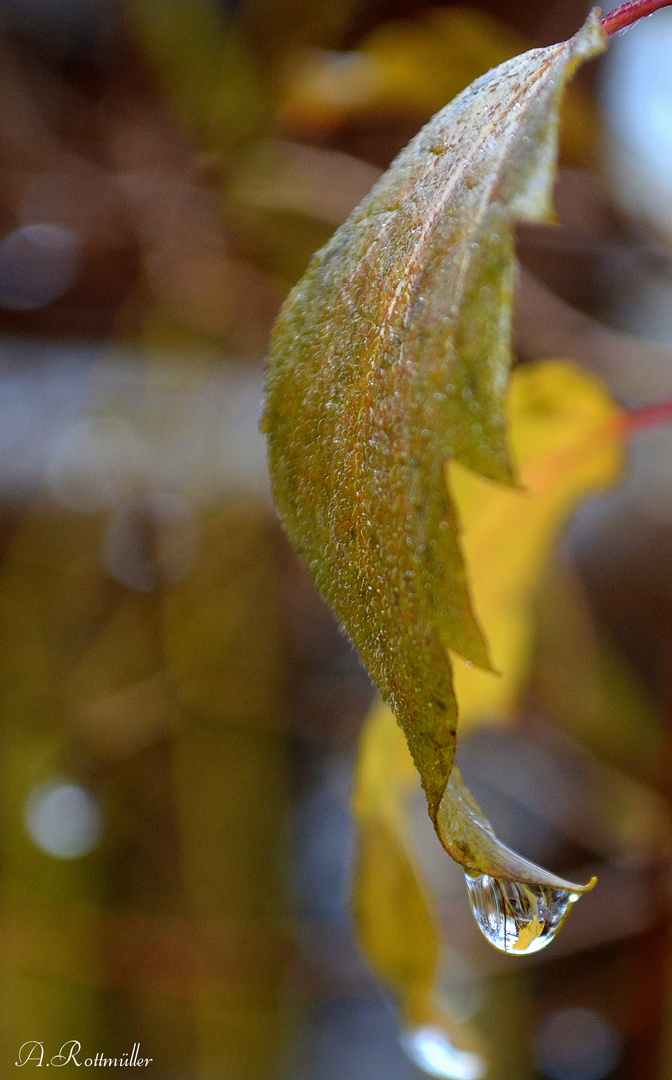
(516, 917)
(431, 1050)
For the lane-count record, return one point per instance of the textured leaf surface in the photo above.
(390, 357)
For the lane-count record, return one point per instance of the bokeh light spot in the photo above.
(151, 541)
(94, 463)
(431, 1050)
(63, 819)
(38, 264)
(576, 1044)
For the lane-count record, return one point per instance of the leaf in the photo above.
(206, 68)
(396, 923)
(389, 358)
(392, 909)
(565, 444)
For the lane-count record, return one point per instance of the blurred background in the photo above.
(178, 710)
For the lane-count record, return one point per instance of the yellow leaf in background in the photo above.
(561, 437)
(422, 64)
(406, 66)
(392, 909)
(206, 68)
(394, 916)
(385, 772)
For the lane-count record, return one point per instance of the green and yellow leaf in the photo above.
(389, 359)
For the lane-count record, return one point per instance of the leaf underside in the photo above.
(390, 357)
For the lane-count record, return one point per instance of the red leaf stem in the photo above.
(646, 417)
(630, 13)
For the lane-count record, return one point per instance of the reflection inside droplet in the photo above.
(516, 917)
(431, 1050)
(63, 819)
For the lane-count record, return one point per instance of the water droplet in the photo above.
(431, 1050)
(516, 917)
